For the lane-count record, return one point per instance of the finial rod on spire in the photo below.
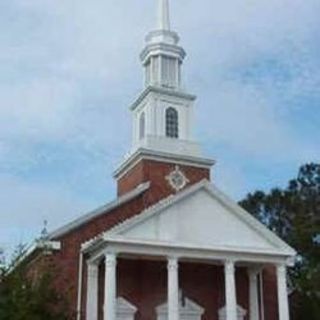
(163, 15)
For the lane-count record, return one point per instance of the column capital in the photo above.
(229, 266)
(110, 259)
(281, 265)
(282, 271)
(254, 271)
(92, 269)
(173, 263)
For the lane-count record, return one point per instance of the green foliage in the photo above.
(25, 298)
(294, 214)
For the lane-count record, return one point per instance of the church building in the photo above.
(171, 246)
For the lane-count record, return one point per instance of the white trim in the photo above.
(79, 297)
(102, 210)
(160, 250)
(145, 154)
(49, 245)
(262, 316)
(162, 91)
(281, 247)
(183, 246)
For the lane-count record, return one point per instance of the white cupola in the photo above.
(162, 57)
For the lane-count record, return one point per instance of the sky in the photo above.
(70, 70)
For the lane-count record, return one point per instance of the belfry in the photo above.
(171, 246)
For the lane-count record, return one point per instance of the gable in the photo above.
(202, 218)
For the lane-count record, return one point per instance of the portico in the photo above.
(173, 258)
(200, 225)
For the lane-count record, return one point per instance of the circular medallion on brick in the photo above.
(177, 179)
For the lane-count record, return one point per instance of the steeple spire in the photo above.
(163, 15)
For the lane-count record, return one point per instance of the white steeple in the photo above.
(163, 113)
(163, 15)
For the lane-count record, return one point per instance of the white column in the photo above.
(282, 293)
(110, 287)
(253, 293)
(173, 289)
(230, 291)
(92, 291)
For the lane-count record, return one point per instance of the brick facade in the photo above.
(156, 172)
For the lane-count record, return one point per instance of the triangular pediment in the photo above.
(201, 216)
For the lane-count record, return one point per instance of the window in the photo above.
(172, 123)
(142, 125)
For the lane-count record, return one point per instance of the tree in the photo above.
(294, 214)
(24, 297)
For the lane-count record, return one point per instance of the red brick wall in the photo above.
(270, 293)
(156, 172)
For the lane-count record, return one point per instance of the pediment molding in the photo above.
(273, 243)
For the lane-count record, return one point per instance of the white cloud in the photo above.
(26, 204)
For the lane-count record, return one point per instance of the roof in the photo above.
(98, 212)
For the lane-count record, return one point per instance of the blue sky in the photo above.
(70, 70)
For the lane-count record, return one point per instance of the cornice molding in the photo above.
(162, 91)
(145, 154)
